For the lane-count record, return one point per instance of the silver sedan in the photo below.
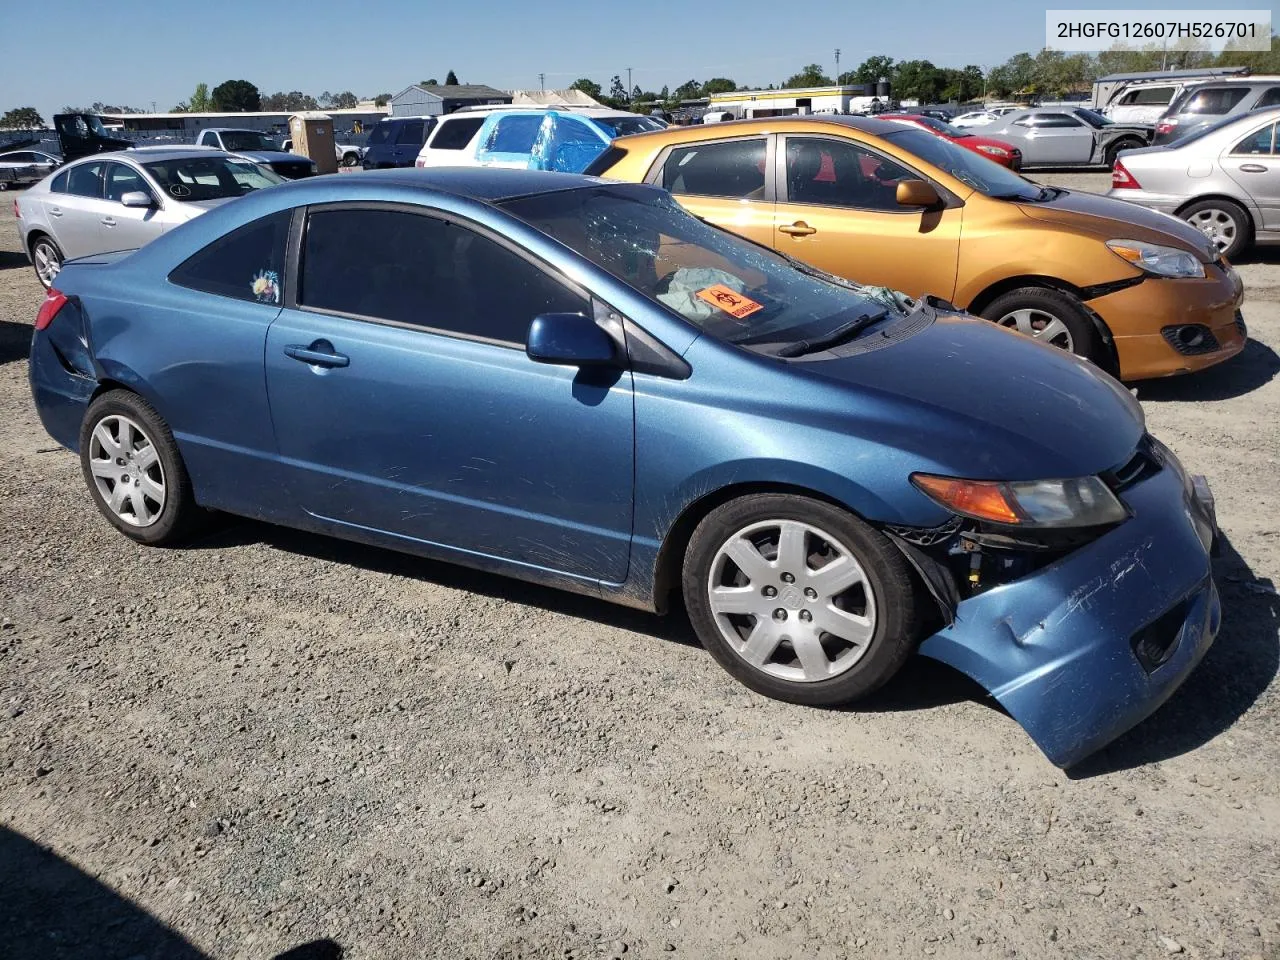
(123, 200)
(1224, 179)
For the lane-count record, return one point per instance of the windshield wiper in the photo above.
(838, 335)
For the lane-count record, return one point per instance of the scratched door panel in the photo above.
(455, 442)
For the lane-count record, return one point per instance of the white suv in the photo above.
(549, 138)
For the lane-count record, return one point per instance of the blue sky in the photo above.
(77, 51)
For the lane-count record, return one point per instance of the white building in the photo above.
(801, 101)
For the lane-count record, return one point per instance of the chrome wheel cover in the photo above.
(47, 262)
(792, 601)
(127, 471)
(1041, 325)
(1216, 224)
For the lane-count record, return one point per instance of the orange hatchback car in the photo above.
(1139, 293)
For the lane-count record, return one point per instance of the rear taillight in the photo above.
(1166, 126)
(1121, 178)
(53, 302)
(419, 162)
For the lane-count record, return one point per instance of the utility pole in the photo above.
(629, 87)
(542, 81)
(837, 65)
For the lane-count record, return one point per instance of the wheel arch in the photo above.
(1221, 198)
(1110, 361)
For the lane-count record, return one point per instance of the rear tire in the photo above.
(1226, 225)
(47, 260)
(1113, 151)
(135, 472)
(1048, 315)
(800, 600)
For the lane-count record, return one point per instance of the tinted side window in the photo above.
(1215, 102)
(379, 134)
(122, 179)
(414, 269)
(456, 134)
(1050, 120)
(1268, 99)
(246, 264)
(411, 132)
(59, 183)
(726, 169)
(85, 180)
(1262, 142)
(1148, 96)
(839, 174)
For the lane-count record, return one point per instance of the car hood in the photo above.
(193, 209)
(986, 403)
(272, 156)
(1112, 219)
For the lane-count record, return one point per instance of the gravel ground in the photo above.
(269, 738)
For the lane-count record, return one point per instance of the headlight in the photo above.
(994, 151)
(1157, 260)
(1081, 502)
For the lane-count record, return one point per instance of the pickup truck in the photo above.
(349, 155)
(258, 147)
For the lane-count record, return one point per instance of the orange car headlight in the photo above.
(1079, 502)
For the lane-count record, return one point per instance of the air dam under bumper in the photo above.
(1056, 648)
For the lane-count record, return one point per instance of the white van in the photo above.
(1144, 101)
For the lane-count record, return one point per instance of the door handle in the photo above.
(319, 354)
(1252, 168)
(55, 212)
(797, 229)
(108, 221)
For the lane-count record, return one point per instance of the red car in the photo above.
(1002, 153)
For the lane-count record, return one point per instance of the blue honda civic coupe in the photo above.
(578, 383)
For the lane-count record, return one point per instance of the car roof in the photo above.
(487, 184)
(732, 128)
(138, 154)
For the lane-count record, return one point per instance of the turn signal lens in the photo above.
(971, 498)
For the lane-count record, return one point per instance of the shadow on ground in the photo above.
(15, 341)
(52, 910)
(1256, 365)
(9, 260)
(1236, 671)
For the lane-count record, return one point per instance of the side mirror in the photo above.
(137, 198)
(916, 193)
(569, 339)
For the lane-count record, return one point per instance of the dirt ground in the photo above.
(270, 739)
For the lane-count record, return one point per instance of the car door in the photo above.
(127, 228)
(1056, 138)
(1254, 163)
(402, 397)
(726, 182)
(76, 213)
(408, 142)
(837, 209)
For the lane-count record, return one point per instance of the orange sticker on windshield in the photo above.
(734, 304)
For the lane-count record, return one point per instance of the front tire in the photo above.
(799, 600)
(1225, 224)
(1050, 316)
(135, 472)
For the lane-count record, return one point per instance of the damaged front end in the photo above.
(1079, 633)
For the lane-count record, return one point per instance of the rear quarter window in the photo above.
(1215, 102)
(246, 264)
(456, 134)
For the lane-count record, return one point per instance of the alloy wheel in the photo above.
(47, 261)
(127, 471)
(792, 600)
(1040, 325)
(1216, 224)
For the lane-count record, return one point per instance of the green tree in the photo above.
(346, 100)
(236, 96)
(382, 99)
(617, 92)
(1258, 61)
(587, 86)
(664, 94)
(689, 90)
(22, 118)
(451, 79)
(292, 102)
(874, 69)
(200, 101)
(918, 80)
(810, 76)
(718, 85)
(433, 82)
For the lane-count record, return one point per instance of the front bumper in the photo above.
(1137, 315)
(1057, 648)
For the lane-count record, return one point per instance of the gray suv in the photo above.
(1202, 104)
